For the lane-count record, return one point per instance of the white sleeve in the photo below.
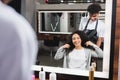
(98, 52)
(60, 53)
(101, 29)
(81, 27)
(83, 23)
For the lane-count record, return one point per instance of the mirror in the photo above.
(61, 22)
(57, 22)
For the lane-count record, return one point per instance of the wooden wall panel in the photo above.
(117, 38)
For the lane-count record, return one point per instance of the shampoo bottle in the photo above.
(42, 74)
(52, 76)
(91, 73)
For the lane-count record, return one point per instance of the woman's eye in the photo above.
(74, 38)
(78, 38)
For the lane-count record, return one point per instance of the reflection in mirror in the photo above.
(53, 31)
(60, 21)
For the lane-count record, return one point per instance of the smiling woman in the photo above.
(79, 54)
(69, 22)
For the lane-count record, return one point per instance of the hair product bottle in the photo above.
(91, 73)
(33, 77)
(94, 65)
(42, 74)
(52, 76)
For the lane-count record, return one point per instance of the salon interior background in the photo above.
(27, 9)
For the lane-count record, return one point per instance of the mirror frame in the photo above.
(106, 70)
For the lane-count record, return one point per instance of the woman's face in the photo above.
(76, 40)
(94, 17)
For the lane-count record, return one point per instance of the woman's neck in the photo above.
(78, 47)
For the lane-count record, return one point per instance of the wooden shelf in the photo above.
(72, 6)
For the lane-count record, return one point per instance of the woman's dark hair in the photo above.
(94, 8)
(83, 37)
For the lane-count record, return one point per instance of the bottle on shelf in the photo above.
(91, 73)
(42, 74)
(33, 77)
(94, 65)
(52, 76)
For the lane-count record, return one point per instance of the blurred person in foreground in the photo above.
(18, 45)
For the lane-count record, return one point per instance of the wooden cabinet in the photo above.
(47, 36)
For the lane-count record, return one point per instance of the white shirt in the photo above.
(77, 59)
(18, 45)
(91, 25)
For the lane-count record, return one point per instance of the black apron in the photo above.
(92, 34)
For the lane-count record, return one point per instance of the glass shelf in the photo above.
(73, 7)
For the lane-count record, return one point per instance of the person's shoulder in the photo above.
(101, 24)
(14, 21)
(100, 21)
(87, 50)
(9, 14)
(84, 18)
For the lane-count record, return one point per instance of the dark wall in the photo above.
(16, 4)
